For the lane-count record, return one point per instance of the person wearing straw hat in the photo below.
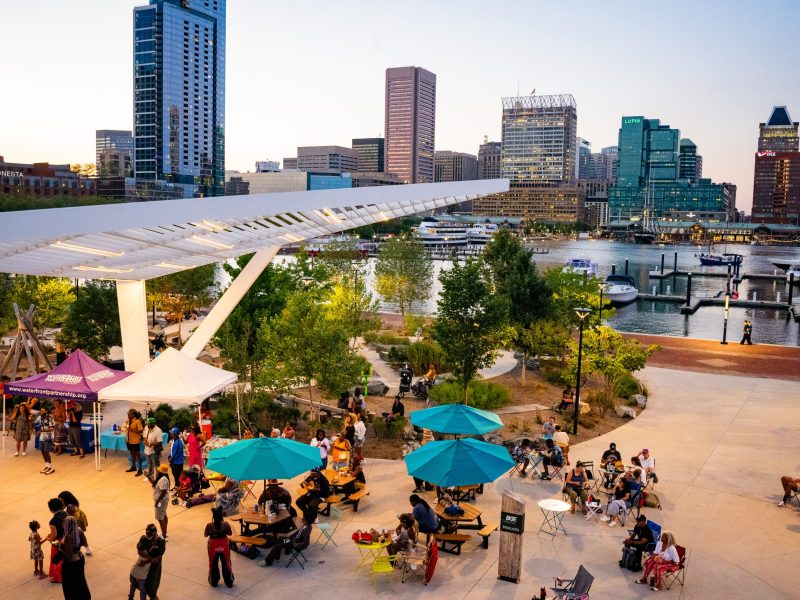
(274, 492)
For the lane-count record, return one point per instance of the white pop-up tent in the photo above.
(173, 377)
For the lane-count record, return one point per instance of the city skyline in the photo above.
(736, 74)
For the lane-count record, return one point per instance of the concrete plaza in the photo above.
(720, 442)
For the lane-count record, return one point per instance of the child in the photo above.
(184, 487)
(37, 556)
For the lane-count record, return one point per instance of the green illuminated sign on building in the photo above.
(630, 120)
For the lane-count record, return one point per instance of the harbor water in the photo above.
(664, 318)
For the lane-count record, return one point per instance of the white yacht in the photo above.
(582, 266)
(791, 268)
(620, 289)
(481, 233)
(434, 233)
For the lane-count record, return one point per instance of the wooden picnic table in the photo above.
(249, 518)
(471, 519)
(337, 480)
(462, 493)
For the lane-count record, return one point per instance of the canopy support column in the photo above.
(132, 303)
(225, 305)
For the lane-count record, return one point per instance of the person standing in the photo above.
(46, 431)
(74, 417)
(151, 549)
(747, 331)
(60, 429)
(133, 438)
(56, 508)
(37, 556)
(219, 550)
(361, 435)
(153, 446)
(324, 444)
(73, 577)
(161, 497)
(21, 421)
(195, 442)
(176, 457)
(69, 500)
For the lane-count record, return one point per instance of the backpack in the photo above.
(454, 510)
(651, 500)
(628, 560)
(558, 457)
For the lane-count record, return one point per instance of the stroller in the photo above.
(421, 388)
(406, 377)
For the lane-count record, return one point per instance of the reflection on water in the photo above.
(769, 326)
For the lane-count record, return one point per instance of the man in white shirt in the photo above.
(361, 435)
(561, 438)
(648, 464)
(153, 439)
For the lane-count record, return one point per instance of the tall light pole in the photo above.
(582, 314)
(725, 311)
(602, 289)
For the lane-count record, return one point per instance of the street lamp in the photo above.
(602, 289)
(582, 314)
(727, 304)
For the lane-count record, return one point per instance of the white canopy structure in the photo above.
(173, 377)
(136, 241)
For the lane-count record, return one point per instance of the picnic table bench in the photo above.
(463, 493)
(451, 542)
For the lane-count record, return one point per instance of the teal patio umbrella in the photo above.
(452, 463)
(458, 419)
(264, 458)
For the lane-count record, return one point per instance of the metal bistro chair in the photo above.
(327, 528)
(574, 588)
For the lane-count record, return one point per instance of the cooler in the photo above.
(205, 426)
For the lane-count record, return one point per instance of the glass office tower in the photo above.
(179, 94)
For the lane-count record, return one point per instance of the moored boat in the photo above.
(620, 289)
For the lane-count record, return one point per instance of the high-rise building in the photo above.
(539, 138)
(267, 166)
(113, 153)
(370, 154)
(553, 203)
(282, 181)
(776, 184)
(779, 133)
(179, 94)
(327, 159)
(649, 169)
(602, 165)
(410, 123)
(455, 166)
(584, 149)
(289, 163)
(489, 155)
(690, 162)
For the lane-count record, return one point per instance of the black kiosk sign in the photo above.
(512, 523)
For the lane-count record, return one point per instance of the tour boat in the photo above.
(433, 233)
(316, 246)
(582, 266)
(620, 289)
(481, 233)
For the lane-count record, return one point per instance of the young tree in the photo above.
(608, 354)
(304, 345)
(52, 297)
(354, 308)
(92, 322)
(499, 255)
(470, 323)
(403, 274)
(571, 291)
(183, 292)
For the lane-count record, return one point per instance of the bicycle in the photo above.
(247, 423)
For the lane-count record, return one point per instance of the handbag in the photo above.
(158, 447)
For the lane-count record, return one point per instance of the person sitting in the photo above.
(575, 487)
(424, 515)
(641, 537)
(359, 402)
(608, 463)
(636, 465)
(275, 493)
(296, 540)
(317, 490)
(360, 482)
(398, 411)
(229, 496)
(648, 464)
(567, 398)
(789, 486)
(521, 455)
(561, 438)
(552, 457)
(618, 503)
(404, 536)
(665, 559)
(288, 431)
(184, 488)
(549, 428)
(633, 480)
(430, 376)
(344, 401)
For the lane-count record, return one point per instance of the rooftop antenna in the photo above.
(533, 93)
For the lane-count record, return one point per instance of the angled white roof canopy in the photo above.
(142, 240)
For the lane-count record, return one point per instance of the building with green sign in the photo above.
(650, 166)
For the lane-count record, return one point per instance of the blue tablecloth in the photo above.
(116, 441)
(87, 438)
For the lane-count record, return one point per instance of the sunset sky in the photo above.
(309, 73)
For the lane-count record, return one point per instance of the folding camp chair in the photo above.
(327, 529)
(296, 555)
(591, 476)
(574, 588)
(421, 565)
(671, 577)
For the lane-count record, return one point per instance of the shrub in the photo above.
(397, 354)
(422, 354)
(413, 323)
(385, 338)
(552, 375)
(626, 385)
(480, 394)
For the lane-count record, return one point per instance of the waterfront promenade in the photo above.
(721, 443)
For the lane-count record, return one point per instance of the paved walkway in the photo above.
(720, 442)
